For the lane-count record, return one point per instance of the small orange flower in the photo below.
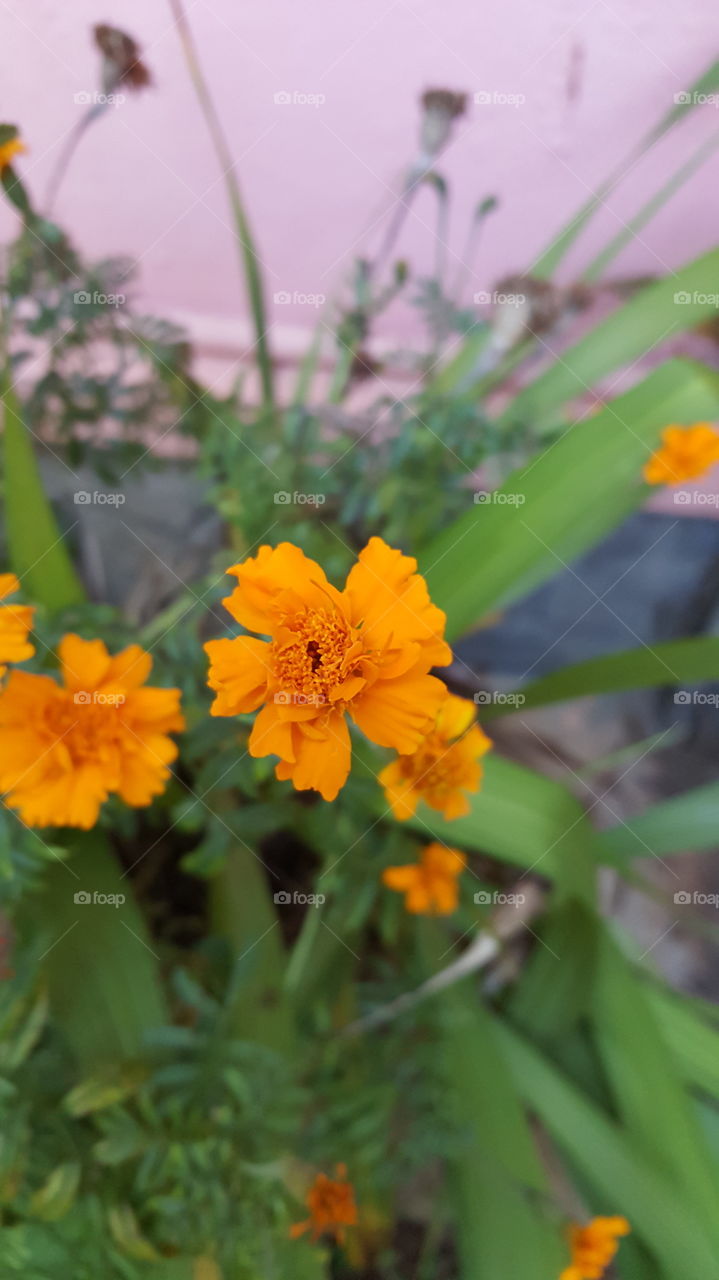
(594, 1247)
(65, 748)
(365, 652)
(430, 885)
(15, 623)
(331, 1202)
(443, 768)
(685, 454)
(8, 150)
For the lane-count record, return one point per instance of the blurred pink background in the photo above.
(594, 77)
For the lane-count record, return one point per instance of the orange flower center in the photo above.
(312, 654)
(86, 729)
(432, 767)
(331, 1203)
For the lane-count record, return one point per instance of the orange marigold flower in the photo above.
(685, 454)
(8, 150)
(431, 885)
(594, 1247)
(444, 767)
(65, 748)
(365, 651)
(15, 623)
(331, 1202)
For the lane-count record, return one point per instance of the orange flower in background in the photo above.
(331, 1202)
(364, 652)
(594, 1247)
(685, 454)
(64, 748)
(444, 767)
(15, 624)
(9, 149)
(431, 885)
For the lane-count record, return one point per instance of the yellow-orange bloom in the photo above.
(331, 1202)
(364, 652)
(15, 624)
(65, 748)
(685, 454)
(8, 151)
(445, 766)
(594, 1247)
(431, 885)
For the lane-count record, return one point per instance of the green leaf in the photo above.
(694, 1042)
(500, 1230)
(686, 823)
(657, 313)
(679, 662)
(650, 1097)
(37, 552)
(518, 816)
(548, 262)
(102, 974)
(625, 1182)
(244, 913)
(563, 502)
(648, 210)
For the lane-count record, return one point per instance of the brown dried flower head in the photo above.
(123, 64)
(441, 107)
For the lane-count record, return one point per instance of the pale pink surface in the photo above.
(146, 182)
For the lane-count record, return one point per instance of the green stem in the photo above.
(250, 260)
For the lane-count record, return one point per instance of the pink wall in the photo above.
(146, 181)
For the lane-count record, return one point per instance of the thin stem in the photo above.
(68, 152)
(249, 258)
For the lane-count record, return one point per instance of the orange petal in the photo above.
(399, 713)
(84, 663)
(238, 674)
(390, 599)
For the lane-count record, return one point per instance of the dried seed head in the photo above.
(441, 107)
(122, 62)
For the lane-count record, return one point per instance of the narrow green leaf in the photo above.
(660, 311)
(678, 662)
(550, 259)
(103, 979)
(37, 551)
(686, 823)
(651, 1100)
(564, 501)
(624, 1181)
